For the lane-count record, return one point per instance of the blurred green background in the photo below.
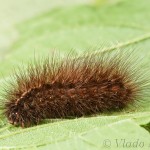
(28, 27)
(36, 27)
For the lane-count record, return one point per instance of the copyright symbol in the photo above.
(107, 143)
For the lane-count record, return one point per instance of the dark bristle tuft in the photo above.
(73, 87)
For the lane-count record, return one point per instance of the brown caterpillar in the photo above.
(73, 86)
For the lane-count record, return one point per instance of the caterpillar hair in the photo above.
(57, 87)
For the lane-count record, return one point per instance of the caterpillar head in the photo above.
(19, 115)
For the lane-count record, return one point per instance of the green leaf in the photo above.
(52, 133)
(101, 26)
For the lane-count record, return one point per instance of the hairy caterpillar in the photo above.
(73, 86)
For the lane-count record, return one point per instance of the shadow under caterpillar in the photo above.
(73, 86)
